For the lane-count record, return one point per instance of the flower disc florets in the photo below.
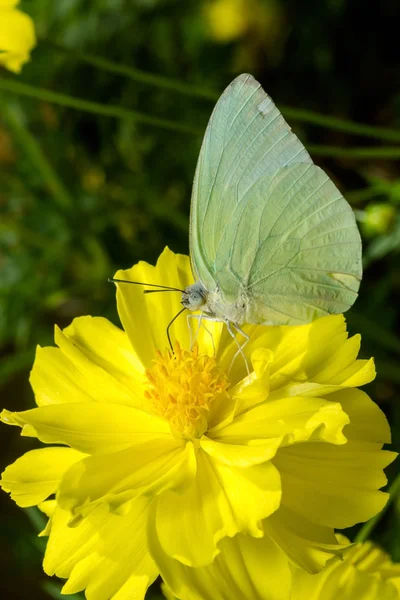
(182, 386)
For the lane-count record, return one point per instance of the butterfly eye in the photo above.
(196, 299)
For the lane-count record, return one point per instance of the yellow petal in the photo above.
(336, 364)
(359, 373)
(237, 455)
(294, 419)
(334, 486)
(37, 474)
(55, 380)
(17, 38)
(254, 389)
(149, 468)
(146, 324)
(367, 421)
(245, 569)
(167, 592)
(308, 545)
(89, 427)
(319, 352)
(48, 507)
(222, 501)
(95, 361)
(106, 553)
(301, 350)
(365, 573)
(102, 353)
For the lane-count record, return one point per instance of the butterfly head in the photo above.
(194, 297)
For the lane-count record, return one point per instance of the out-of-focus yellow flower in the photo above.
(378, 218)
(17, 36)
(228, 20)
(177, 464)
(366, 573)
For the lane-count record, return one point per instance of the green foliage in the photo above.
(99, 138)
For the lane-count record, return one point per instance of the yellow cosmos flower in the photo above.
(176, 464)
(17, 36)
(365, 573)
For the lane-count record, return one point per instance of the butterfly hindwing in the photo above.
(267, 222)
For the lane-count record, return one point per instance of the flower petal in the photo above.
(254, 389)
(308, 545)
(294, 419)
(367, 421)
(236, 455)
(89, 427)
(149, 468)
(246, 568)
(222, 501)
(317, 477)
(106, 554)
(17, 38)
(95, 361)
(359, 373)
(146, 325)
(37, 474)
(319, 352)
(363, 574)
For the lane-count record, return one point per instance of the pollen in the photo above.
(182, 387)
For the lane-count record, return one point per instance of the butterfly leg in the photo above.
(240, 347)
(200, 318)
(193, 339)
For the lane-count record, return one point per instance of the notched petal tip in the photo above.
(6, 416)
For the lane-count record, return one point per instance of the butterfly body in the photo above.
(214, 305)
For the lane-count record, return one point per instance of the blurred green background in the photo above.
(86, 190)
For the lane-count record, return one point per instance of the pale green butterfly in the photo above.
(272, 240)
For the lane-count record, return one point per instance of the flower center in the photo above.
(182, 387)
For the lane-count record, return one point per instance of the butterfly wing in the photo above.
(266, 223)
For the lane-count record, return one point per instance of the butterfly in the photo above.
(272, 240)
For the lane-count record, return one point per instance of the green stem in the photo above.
(387, 152)
(293, 114)
(37, 156)
(109, 110)
(134, 73)
(314, 118)
(369, 526)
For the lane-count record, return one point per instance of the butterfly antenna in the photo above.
(161, 288)
(168, 328)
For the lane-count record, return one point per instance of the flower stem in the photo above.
(294, 114)
(24, 89)
(36, 155)
(134, 73)
(328, 122)
(388, 152)
(110, 110)
(369, 526)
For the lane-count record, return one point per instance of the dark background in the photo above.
(82, 194)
